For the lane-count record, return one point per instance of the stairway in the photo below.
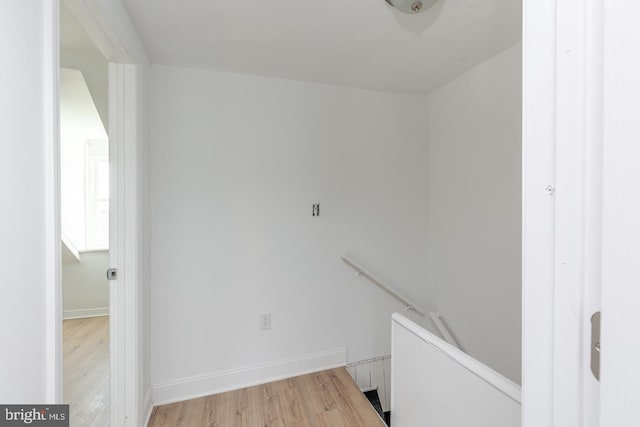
(374, 399)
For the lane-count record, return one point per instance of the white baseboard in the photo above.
(234, 379)
(87, 312)
(147, 407)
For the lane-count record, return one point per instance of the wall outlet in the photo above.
(265, 321)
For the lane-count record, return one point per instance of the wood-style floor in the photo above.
(323, 399)
(86, 371)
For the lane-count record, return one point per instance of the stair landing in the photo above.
(328, 398)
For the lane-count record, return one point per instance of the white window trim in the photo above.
(95, 151)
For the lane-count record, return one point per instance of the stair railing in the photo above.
(442, 328)
(360, 271)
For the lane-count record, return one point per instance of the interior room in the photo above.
(310, 214)
(305, 183)
(362, 213)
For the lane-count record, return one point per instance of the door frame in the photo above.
(562, 196)
(113, 33)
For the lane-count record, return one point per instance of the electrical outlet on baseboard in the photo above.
(265, 321)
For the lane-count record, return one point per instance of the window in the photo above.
(97, 194)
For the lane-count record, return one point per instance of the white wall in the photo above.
(95, 70)
(236, 163)
(85, 286)
(26, 217)
(474, 174)
(452, 389)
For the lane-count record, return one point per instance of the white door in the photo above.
(620, 360)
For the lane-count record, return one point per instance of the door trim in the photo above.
(562, 190)
(51, 140)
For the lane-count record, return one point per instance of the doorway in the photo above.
(84, 224)
(120, 106)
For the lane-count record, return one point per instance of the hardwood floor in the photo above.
(86, 371)
(323, 399)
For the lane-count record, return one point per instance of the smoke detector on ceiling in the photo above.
(411, 6)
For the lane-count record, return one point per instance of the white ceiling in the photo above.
(359, 43)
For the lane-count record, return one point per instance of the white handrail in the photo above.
(409, 305)
(442, 328)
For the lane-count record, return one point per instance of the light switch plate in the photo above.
(265, 321)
